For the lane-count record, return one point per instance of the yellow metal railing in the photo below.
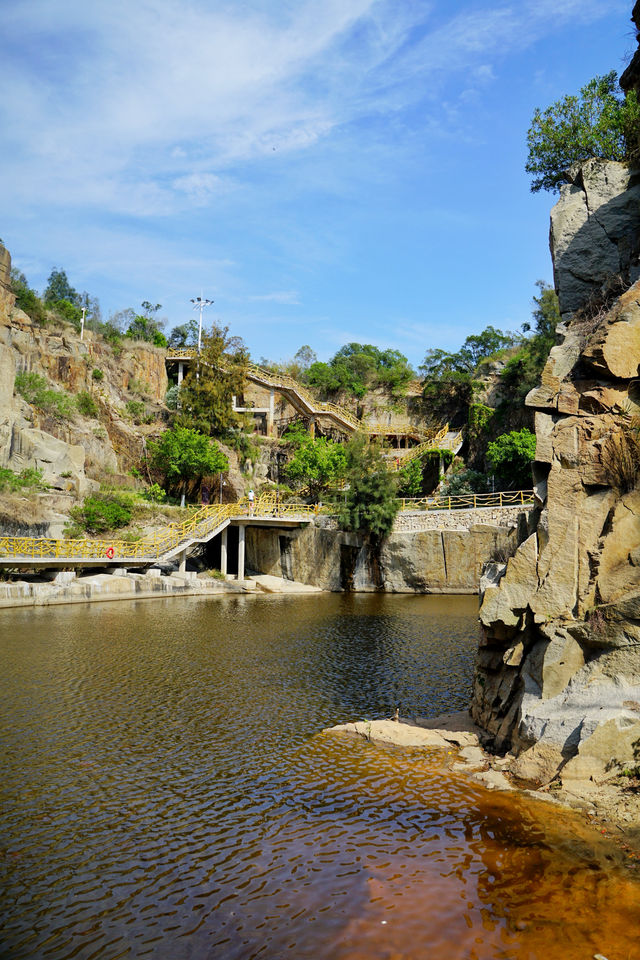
(469, 501)
(165, 541)
(283, 382)
(440, 442)
(202, 522)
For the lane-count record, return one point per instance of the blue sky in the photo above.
(324, 170)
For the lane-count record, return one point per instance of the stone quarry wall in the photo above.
(436, 560)
(80, 448)
(595, 231)
(558, 671)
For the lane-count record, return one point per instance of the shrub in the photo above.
(464, 481)
(155, 494)
(97, 374)
(103, 512)
(67, 311)
(136, 408)
(36, 391)
(28, 300)
(171, 397)
(86, 404)
(29, 477)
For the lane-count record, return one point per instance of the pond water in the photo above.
(167, 792)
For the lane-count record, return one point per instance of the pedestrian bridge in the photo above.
(314, 410)
(171, 542)
(177, 539)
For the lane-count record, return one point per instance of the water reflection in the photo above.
(165, 794)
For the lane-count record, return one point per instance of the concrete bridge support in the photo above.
(223, 552)
(271, 416)
(241, 545)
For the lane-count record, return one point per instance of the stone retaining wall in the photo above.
(419, 560)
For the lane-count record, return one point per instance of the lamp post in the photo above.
(199, 303)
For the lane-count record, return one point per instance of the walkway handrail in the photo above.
(469, 501)
(204, 521)
(440, 442)
(167, 540)
(283, 382)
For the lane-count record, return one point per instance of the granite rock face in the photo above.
(558, 671)
(71, 452)
(595, 228)
(630, 79)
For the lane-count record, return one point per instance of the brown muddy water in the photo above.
(166, 793)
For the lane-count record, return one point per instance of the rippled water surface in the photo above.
(166, 793)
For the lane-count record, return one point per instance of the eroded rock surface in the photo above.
(558, 671)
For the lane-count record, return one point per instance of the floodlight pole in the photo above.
(199, 303)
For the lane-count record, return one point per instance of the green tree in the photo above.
(58, 288)
(448, 377)
(26, 298)
(184, 335)
(146, 326)
(182, 454)
(370, 505)
(410, 478)
(596, 123)
(216, 375)
(319, 464)
(522, 371)
(511, 454)
(357, 367)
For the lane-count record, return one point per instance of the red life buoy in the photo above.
(110, 553)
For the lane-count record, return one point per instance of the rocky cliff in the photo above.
(74, 450)
(558, 671)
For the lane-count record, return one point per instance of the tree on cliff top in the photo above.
(598, 123)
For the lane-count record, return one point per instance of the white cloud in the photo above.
(287, 297)
(142, 108)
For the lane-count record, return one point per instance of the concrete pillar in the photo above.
(183, 562)
(241, 532)
(312, 426)
(223, 552)
(180, 372)
(272, 413)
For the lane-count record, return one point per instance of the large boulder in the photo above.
(595, 227)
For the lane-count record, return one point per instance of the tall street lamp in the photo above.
(199, 303)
